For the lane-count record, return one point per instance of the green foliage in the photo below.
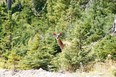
(13, 60)
(39, 4)
(105, 47)
(33, 42)
(36, 60)
(27, 33)
(71, 57)
(114, 72)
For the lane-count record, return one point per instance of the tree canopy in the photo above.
(26, 28)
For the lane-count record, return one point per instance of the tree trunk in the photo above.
(9, 3)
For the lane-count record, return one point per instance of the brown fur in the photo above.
(60, 43)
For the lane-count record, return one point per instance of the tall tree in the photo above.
(9, 4)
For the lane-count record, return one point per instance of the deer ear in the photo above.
(54, 33)
(60, 33)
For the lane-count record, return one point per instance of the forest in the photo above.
(27, 27)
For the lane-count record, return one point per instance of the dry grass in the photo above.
(102, 69)
(1, 1)
(98, 69)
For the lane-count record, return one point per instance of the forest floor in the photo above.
(100, 70)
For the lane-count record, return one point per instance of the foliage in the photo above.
(26, 33)
(71, 57)
(114, 72)
(106, 47)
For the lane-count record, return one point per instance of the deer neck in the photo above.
(60, 43)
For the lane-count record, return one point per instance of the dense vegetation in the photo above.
(26, 40)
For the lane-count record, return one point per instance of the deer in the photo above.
(60, 43)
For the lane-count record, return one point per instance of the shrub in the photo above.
(71, 57)
(114, 73)
(106, 46)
